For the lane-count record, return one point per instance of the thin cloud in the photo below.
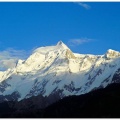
(10, 56)
(7, 63)
(84, 5)
(12, 53)
(77, 42)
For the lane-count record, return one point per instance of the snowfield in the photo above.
(54, 69)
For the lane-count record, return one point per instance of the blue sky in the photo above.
(86, 27)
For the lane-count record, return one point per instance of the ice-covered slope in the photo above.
(57, 70)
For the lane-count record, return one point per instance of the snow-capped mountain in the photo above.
(56, 69)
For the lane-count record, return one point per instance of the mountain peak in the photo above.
(60, 43)
(112, 53)
(110, 50)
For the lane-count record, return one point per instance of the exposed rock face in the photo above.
(116, 77)
(70, 55)
(112, 54)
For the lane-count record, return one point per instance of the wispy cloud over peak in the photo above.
(76, 42)
(84, 5)
(10, 56)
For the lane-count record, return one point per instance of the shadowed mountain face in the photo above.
(102, 103)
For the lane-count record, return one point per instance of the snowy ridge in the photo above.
(57, 69)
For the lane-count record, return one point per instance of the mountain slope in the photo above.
(101, 103)
(56, 70)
